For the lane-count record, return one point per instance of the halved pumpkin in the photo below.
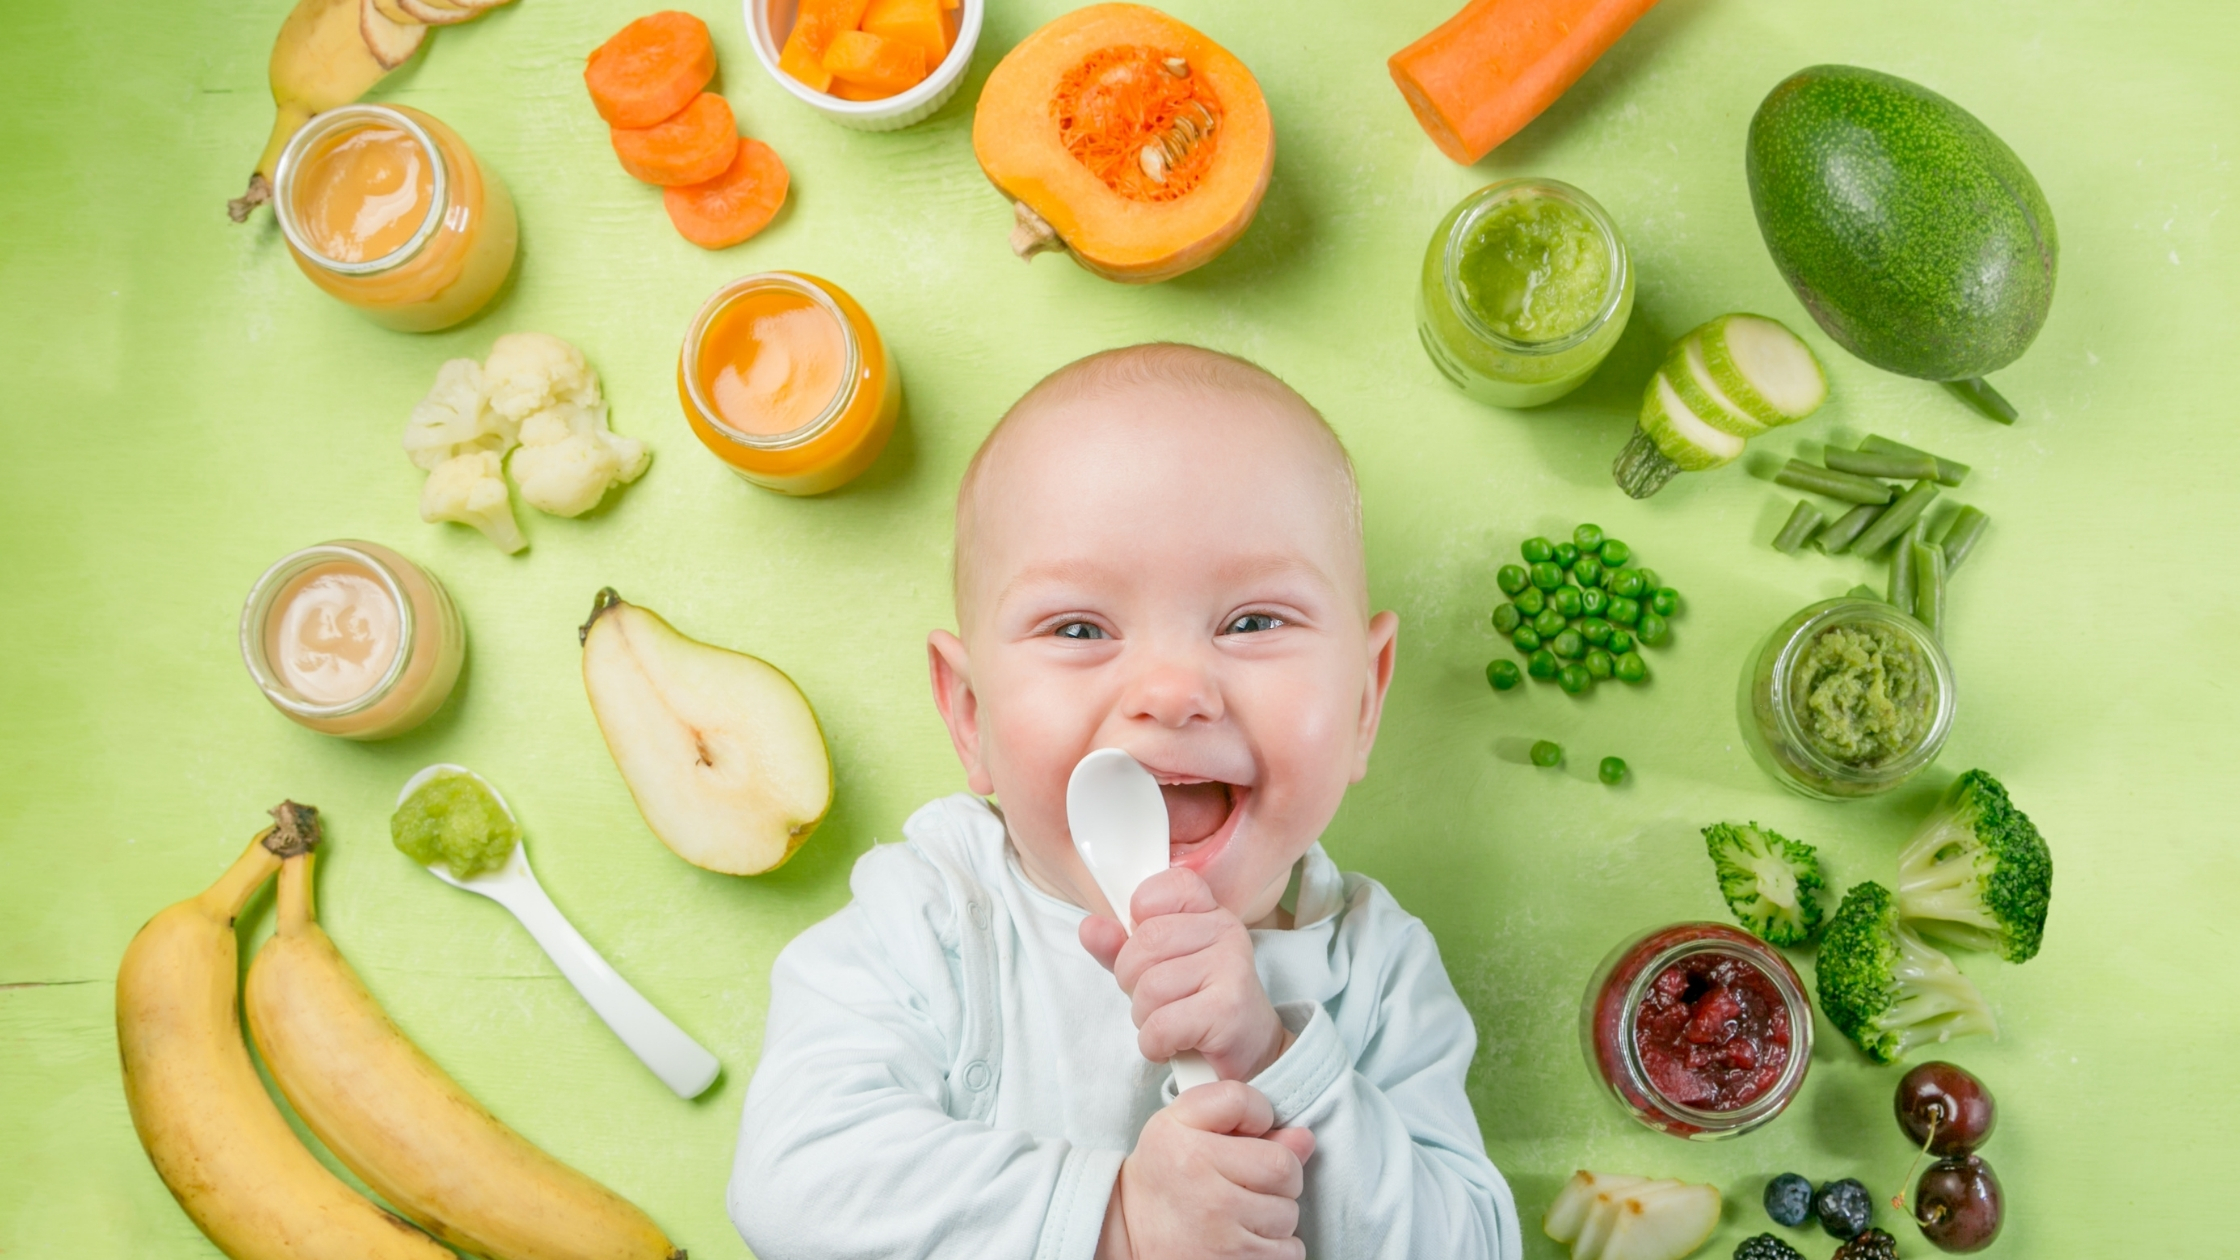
(1127, 139)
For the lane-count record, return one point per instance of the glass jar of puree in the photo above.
(1847, 698)
(352, 639)
(388, 210)
(784, 377)
(1526, 286)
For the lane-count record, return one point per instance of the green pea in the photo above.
(1541, 664)
(1631, 668)
(1595, 630)
(1547, 575)
(1649, 579)
(1567, 600)
(1600, 663)
(1507, 618)
(1547, 752)
(1525, 638)
(1538, 549)
(1504, 675)
(1625, 611)
(1627, 583)
(1620, 641)
(1651, 630)
(1615, 553)
(1593, 602)
(1608, 573)
(1530, 601)
(1588, 572)
(1613, 771)
(1664, 601)
(1550, 622)
(1566, 554)
(1569, 645)
(1511, 578)
(1574, 679)
(1588, 537)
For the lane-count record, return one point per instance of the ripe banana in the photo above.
(390, 1114)
(212, 1132)
(325, 56)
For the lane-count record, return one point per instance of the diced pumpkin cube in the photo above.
(919, 22)
(886, 66)
(807, 67)
(815, 25)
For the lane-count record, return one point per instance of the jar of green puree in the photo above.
(1526, 287)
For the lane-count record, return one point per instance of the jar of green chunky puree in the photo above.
(1848, 698)
(1526, 287)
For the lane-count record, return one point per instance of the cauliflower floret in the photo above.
(471, 489)
(568, 458)
(455, 418)
(530, 371)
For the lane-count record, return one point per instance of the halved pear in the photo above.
(719, 749)
(1568, 1214)
(1607, 1217)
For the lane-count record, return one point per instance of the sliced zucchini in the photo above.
(1766, 369)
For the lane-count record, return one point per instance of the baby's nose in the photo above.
(1173, 691)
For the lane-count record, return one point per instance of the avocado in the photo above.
(1912, 234)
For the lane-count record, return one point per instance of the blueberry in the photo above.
(1844, 1207)
(1789, 1200)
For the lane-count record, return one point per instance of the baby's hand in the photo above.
(1189, 970)
(1210, 1178)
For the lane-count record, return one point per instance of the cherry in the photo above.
(1945, 1109)
(1957, 1204)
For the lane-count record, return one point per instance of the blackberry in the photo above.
(1844, 1208)
(1872, 1244)
(1766, 1247)
(1789, 1200)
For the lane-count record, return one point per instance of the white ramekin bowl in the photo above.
(770, 21)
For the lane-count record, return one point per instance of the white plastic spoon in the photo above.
(683, 1064)
(1119, 824)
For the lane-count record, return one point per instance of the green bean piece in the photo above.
(1651, 630)
(1961, 537)
(1665, 601)
(1541, 664)
(1950, 472)
(1882, 464)
(1547, 574)
(1928, 586)
(1511, 578)
(1649, 580)
(1838, 537)
(1897, 520)
(1612, 771)
(1631, 668)
(1525, 638)
(1568, 600)
(1588, 571)
(1615, 554)
(1625, 611)
(1574, 679)
(1587, 538)
(1863, 591)
(1901, 565)
(1531, 600)
(1627, 585)
(1570, 645)
(1547, 752)
(1507, 618)
(1593, 602)
(1799, 475)
(1977, 393)
(1600, 663)
(1566, 554)
(1621, 640)
(1595, 630)
(1550, 622)
(1503, 675)
(1537, 549)
(1804, 521)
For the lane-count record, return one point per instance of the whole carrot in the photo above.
(1490, 69)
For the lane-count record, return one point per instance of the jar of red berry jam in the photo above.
(1699, 1030)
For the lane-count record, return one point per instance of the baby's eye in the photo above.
(1253, 623)
(1081, 630)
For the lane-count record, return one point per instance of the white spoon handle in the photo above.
(683, 1064)
(1191, 1070)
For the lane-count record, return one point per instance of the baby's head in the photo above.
(1159, 549)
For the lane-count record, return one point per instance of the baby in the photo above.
(1157, 549)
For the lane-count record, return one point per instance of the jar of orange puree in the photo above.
(387, 209)
(783, 376)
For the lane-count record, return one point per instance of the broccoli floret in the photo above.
(1978, 873)
(1770, 881)
(1886, 988)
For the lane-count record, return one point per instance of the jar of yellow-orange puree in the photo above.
(387, 209)
(783, 376)
(351, 639)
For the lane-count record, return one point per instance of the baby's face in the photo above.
(1177, 573)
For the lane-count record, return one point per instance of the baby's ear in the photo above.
(1384, 647)
(951, 672)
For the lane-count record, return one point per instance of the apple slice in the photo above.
(1663, 1226)
(392, 43)
(435, 12)
(394, 11)
(719, 749)
(1568, 1214)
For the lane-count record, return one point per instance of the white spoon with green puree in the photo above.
(1119, 822)
(683, 1064)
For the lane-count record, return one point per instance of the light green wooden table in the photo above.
(182, 407)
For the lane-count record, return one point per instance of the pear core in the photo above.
(453, 819)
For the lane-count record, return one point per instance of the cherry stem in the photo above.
(1936, 1113)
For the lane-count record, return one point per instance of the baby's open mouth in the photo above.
(1195, 811)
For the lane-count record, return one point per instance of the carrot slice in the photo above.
(651, 69)
(815, 25)
(695, 146)
(886, 66)
(1478, 79)
(734, 205)
(919, 22)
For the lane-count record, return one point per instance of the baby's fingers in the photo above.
(1104, 939)
(1224, 1107)
(1262, 1167)
(1175, 890)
